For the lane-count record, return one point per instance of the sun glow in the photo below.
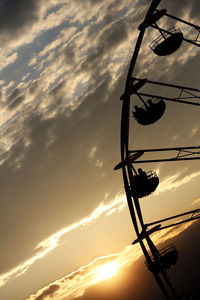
(108, 270)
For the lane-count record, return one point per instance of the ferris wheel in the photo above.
(137, 182)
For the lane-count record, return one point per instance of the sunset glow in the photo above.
(65, 222)
(108, 270)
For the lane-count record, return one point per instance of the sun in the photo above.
(108, 270)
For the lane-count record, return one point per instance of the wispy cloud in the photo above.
(49, 244)
(7, 60)
(196, 201)
(74, 284)
(92, 152)
(67, 287)
(194, 130)
(175, 181)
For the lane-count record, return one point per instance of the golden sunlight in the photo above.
(108, 270)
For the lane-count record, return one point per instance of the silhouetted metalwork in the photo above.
(154, 106)
(180, 153)
(184, 93)
(139, 183)
(145, 183)
(169, 40)
(165, 259)
(151, 112)
(130, 159)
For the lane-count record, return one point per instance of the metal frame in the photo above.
(195, 42)
(182, 154)
(127, 160)
(192, 93)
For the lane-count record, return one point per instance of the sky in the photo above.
(63, 67)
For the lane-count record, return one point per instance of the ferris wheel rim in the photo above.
(126, 167)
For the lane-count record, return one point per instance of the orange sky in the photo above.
(63, 68)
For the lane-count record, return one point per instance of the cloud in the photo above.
(35, 152)
(75, 284)
(49, 244)
(99, 163)
(87, 275)
(71, 103)
(113, 38)
(194, 131)
(131, 280)
(92, 152)
(8, 60)
(106, 41)
(175, 181)
(24, 22)
(32, 61)
(196, 201)
(17, 15)
(48, 292)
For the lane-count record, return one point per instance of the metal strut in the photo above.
(129, 157)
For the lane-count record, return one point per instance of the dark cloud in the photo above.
(56, 173)
(34, 85)
(17, 15)
(17, 101)
(74, 278)
(56, 164)
(192, 7)
(137, 283)
(133, 283)
(70, 54)
(57, 180)
(113, 35)
(94, 1)
(13, 95)
(50, 291)
(108, 40)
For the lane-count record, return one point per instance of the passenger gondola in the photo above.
(167, 43)
(149, 113)
(145, 183)
(166, 259)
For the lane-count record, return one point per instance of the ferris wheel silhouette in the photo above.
(138, 183)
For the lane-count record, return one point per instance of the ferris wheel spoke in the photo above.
(167, 84)
(166, 149)
(180, 20)
(194, 42)
(178, 223)
(195, 213)
(181, 153)
(137, 182)
(177, 100)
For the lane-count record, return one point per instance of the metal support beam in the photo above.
(169, 84)
(174, 217)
